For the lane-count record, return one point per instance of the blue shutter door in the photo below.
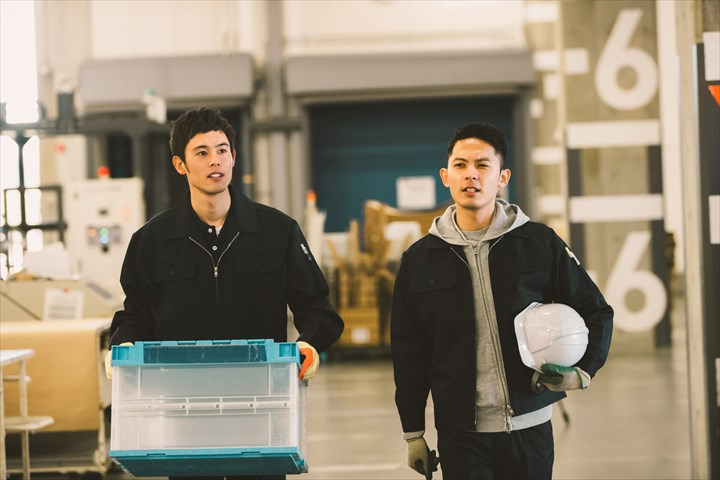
(358, 150)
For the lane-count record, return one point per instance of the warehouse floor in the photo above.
(632, 423)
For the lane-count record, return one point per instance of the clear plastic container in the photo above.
(238, 403)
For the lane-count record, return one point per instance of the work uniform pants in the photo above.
(521, 454)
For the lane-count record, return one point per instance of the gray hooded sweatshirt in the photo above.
(492, 405)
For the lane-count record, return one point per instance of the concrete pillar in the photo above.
(701, 278)
(64, 41)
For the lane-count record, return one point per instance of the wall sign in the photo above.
(625, 79)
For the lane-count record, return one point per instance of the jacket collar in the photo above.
(181, 215)
(437, 242)
(506, 217)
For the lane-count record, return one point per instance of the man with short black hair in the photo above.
(217, 266)
(457, 293)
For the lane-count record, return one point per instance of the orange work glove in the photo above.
(310, 361)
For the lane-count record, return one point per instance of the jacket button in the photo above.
(259, 266)
(431, 282)
(172, 273)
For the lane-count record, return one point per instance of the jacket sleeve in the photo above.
(574, 287)
(134, 322)
(315, 318)
(411, 354)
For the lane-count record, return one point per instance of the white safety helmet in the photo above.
(550, 333)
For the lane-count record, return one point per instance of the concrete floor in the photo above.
(632, 423)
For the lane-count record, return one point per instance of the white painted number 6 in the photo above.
(615, 56)
(626, 277)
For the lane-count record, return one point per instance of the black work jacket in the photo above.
(178, 289)
(433, 322)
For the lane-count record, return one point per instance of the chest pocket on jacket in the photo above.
(527, 263)
(258, 264)
(427, 282)
(172, 272)
(260, 279)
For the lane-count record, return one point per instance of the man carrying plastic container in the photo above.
(458, 293)
(218, 266)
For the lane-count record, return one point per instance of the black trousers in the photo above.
(521, 454)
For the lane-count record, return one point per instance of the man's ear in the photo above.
(504, 177)
(179, 165)
(443, 176)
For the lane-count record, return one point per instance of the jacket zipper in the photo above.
(509, 413)
(508, 409)
(216, 266)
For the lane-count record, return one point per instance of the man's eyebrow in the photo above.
(201, 147)
(480, 159)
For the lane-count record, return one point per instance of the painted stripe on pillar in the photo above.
(547, 155)
(712, 56)
(714, 220)
(616, 208)
(629, 133)
(541, 12)
(552, 204)
(576, 61)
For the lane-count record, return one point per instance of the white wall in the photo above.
(128, 28)
(76, 30)
(364, 26)
(122, 29)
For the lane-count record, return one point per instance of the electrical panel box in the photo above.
(101, 216)
(64, 158)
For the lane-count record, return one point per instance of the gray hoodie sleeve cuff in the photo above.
(410, 435)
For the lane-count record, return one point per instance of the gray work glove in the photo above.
(561, 379)
(420, 458)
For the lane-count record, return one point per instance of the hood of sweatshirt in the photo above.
(492, 393)
(507, 217)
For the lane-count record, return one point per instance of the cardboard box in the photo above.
(362, 326)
